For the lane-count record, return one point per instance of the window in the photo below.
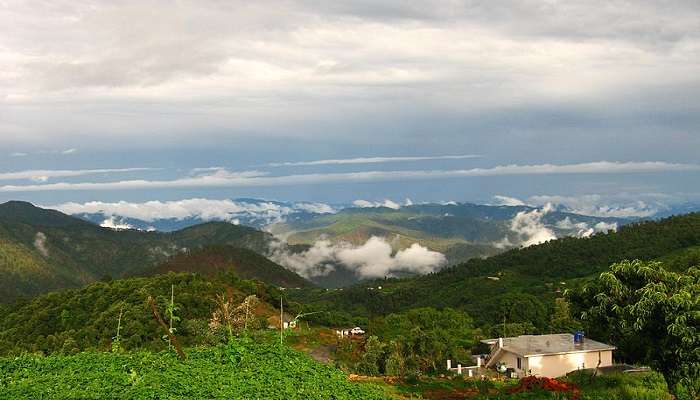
(520, 364)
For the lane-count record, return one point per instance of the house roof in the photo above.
(538, 345)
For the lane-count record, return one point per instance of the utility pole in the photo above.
(281, 320)
(172, 305)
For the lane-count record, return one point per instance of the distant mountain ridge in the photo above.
(43, 250)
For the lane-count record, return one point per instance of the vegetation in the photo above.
(522, 283)
(652, 315)
(616, 386)
(242, 369)
(44, 250)
(74, 320)
(245, 263)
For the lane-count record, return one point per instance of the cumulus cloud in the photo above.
(115, 224)
(527, 229)
(370, 160)
(205, 209)
(373, 259)
(40, 244)
(376, 204)
(224, 178)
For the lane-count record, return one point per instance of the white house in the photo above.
(356, 331)
(547, 355)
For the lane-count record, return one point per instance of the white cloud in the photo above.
(530, 229)
(370, 160)
(376, 204)
(508, 201)
(116, 224)
(224, 178)
(618, 205)
(40, 244)
(583, 229)
(205, 209)
(527, 229)
(41, 152)
(373, 259)
(45, 175)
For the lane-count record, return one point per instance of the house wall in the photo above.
(560, 364)
(511, 361)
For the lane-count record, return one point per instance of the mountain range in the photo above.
(43, 250)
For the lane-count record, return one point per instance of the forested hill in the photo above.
(246, 264)
(514, 280)
(43, 250)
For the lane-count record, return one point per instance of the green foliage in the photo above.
(543, 271)
(73, 252)
(89, 316)
(652, 315)
(414, 342)
(370, 363)
(562, 319)
(241, 370)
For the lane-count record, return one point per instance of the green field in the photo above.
(241, 370)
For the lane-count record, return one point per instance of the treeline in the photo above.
(74, 320)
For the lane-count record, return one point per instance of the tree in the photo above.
(372, 356)
(561, 320)
(652, 315)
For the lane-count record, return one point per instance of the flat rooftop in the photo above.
(536, 345)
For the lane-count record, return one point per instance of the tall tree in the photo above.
(652, 315)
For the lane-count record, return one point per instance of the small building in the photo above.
(356, 331)
(547, 355)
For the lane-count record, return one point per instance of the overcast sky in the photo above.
(338, 101)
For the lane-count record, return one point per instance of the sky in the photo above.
(592, 103)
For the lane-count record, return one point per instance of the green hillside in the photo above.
(519, 284)
(241, 370)
(247, 264)
(43, 250)
(86, 318)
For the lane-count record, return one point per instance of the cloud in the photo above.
(583, 229)
(224, 178)
(370, 160)
(508, 201)
(529, 227)
(373, 259)
(115, 224)
(205, 209)
(45, 175)
(620, 205)
(40, 244)
(42, 152)
(374, 204)
(367, 62)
